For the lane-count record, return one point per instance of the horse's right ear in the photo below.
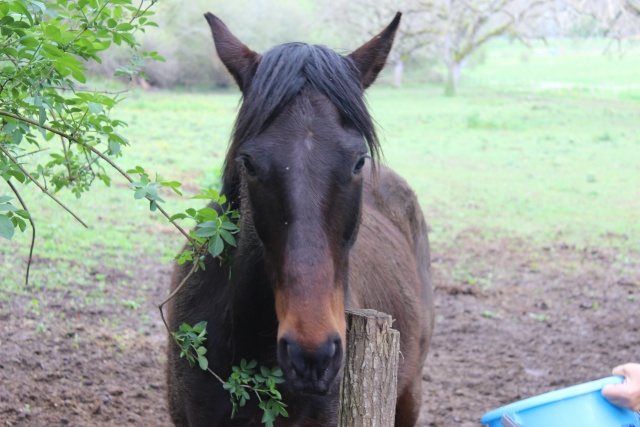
(238, 58)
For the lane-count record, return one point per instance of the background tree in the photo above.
(465, 25)
(365, 18)
(183, 38)
(617, 20)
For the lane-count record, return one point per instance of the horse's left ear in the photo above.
(371, 56)
(241, 61)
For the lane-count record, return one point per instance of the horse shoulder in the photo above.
(391, 195)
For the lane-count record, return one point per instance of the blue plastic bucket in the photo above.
(580, 406)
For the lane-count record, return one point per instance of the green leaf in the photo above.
(173, 185)
(19, 222)
(152, 193)
(209, 224)
(24, 214)
(53, 51)
(16, 137)
(8, 69)
(185, 327)
(17, 174)
(6, 227)
(282, 411)
(125, 26)
(117, 39)
(29, 40)
(4, 199)
(227, 225)
(208, 213)
(95, 108)
(228, 237)
(216, 246)
(140, 193)
(114, 147)
(200, 326)
(206, 232)
(203, 362)
(77, 74)
(105, 179)
(53, 33)
(42, 118)
(268, 417)
(129, 38)
(8, 207)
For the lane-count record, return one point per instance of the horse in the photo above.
(324, 226)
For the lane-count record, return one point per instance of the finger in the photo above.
(615, 394)
(611, 391)
(619, 395)
(621, 371)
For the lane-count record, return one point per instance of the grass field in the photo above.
(541, 144)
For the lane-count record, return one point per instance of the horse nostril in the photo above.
(289, 352)
(332, 349)
(310, 367)
(335, 345)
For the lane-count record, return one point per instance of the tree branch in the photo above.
(95, 151)
(44, 190)
(33, 233)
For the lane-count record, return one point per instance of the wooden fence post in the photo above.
(370, 376)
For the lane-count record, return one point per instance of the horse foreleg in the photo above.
(408, 405)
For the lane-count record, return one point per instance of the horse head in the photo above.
(295, 166)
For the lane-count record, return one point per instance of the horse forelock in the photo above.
(282, 73)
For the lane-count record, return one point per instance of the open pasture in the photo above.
(530, 181)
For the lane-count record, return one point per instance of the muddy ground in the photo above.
(514, 319)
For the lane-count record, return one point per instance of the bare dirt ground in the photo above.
(514, 319)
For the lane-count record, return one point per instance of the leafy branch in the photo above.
(42, 50)
(263, 384)
(244, 379)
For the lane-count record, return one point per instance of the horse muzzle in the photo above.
(310, 371)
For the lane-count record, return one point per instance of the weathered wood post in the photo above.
(369, 381)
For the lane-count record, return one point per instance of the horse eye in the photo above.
(248, 166)
(359, 165)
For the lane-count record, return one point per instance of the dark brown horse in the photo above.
(321, 230)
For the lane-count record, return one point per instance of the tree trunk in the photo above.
(369, 381)
(454, 69)
(398, 72)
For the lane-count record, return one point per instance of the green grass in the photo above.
(511, 155)
(533, 166)
(540, 143)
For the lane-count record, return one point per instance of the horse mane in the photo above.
(282, 73)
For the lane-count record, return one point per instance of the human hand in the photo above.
(626, 394)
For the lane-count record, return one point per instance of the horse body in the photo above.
(320, 231)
